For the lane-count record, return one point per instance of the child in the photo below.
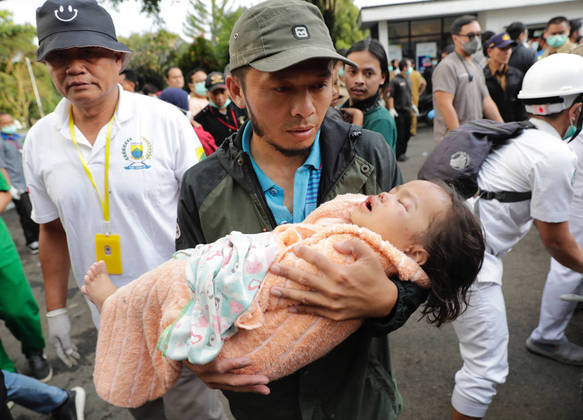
(231, 288)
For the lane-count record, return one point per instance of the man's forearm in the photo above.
(55, 264)
(560, 244)
(444, 101)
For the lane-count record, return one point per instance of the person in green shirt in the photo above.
(365, 84)
(18, 309)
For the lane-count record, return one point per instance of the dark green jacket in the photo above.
(222, 194)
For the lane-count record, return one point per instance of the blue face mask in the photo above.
(391, 69)
(556, 41)
(211, 103)
(409, 70)
(10, 129)
(199, 89)
(341, 72)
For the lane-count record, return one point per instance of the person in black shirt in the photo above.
(522, 56)
(503, 80)
(400, 105)
(220, 117)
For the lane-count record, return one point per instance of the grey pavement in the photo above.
(424, 358)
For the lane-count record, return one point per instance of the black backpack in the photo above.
(459, 156)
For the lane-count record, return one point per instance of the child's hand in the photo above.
(358, 290)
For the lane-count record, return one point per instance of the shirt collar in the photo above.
(123, 113)
(546, 127)
(313, 161)
(498, 71)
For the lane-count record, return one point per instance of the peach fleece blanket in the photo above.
(130, 370)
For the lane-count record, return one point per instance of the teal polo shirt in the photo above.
(306, 184)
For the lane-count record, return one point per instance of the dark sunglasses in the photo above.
(471, 35)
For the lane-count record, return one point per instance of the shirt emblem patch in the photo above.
(137, 152)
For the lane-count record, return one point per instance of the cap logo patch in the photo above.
(68, 16)
(217, 78)
(300, 32)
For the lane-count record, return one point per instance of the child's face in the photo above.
(404, 213)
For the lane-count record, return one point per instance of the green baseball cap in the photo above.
(277, 34)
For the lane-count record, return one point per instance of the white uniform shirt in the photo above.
(537, 161)
(152, 145)
(577, 205)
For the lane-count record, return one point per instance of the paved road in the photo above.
(424, 358)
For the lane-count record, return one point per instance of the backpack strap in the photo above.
(504, 196)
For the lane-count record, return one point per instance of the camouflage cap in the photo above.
(277, 34)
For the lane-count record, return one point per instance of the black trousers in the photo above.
(24, 208)
(403, 130)
(4, 411)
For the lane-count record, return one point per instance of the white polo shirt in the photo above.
(538, 161)
(152, 145)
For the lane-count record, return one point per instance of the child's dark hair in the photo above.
(377, 50)
(455, 244)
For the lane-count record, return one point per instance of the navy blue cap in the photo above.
(215, 80)
(62, 24)
(501, 40)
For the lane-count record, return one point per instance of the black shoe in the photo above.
(33, 246)
(74, 406)
(38, 367)
(402, 158)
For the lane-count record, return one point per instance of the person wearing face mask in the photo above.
(220, 117)
(11, 167)
(557, 36)
(548, 338)
(459, 88)
(197, 99)
(400, 105)
(541, 167)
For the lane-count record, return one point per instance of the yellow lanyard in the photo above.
(105, 199)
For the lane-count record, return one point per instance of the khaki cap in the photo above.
(277, 34)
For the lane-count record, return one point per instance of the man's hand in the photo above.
(60, 336)
(353, 115)
(358, 290)
(393, 112)
(218, 374)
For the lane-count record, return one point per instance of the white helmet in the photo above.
(552, 84)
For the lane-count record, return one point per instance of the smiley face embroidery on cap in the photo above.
(67, 16)
(300, 32)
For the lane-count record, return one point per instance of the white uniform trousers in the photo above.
(482, 333)
(555, 313)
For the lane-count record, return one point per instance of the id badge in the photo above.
(108, 249)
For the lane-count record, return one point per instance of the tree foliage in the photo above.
(17, 95)
(341, 18)
(199, 54)
(345, 31)
(202, 20)
(153, 52)
(215, 21)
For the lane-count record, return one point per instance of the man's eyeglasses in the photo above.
(471, 35)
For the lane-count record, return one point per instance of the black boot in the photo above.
(39, 367)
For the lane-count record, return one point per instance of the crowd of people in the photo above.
(259, 146)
